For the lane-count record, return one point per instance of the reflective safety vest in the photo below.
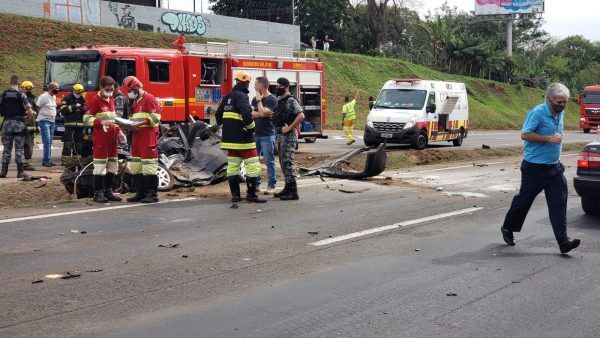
(71, 112)
(348, 111)
(235, 116)
(101, 110)
(146, 109)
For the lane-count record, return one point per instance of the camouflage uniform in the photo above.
(287, 148)
(13, 131)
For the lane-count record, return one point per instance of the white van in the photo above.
(416, 112)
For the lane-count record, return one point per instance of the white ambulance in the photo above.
(416, 112)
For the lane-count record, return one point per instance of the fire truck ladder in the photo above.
(246, 50)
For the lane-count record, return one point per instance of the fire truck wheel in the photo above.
(587, 130)
(166, 181)
(459, 141)
(310, 139)
(420, 142)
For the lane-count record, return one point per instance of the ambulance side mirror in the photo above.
(430, 109)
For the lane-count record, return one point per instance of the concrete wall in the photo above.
(114, 14)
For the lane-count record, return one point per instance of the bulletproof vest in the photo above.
(12, 105)
(282, 115)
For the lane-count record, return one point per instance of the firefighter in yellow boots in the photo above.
(234, 115)
(144, 146)
(72, 109)
(349, 118)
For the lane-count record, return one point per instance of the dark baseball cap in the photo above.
(283, 81)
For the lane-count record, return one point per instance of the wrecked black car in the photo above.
(189, 155)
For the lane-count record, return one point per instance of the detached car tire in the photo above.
(166, 180)
(590, 205)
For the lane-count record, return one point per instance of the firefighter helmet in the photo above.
(78, 88)
(131, 82)
(242, 76)
(27, 85)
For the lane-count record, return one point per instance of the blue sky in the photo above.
(563, 18)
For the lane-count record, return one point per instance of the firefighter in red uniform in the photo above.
(144, 146)
(100, 115)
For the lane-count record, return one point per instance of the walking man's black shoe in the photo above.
(569, 245)
(508, 236)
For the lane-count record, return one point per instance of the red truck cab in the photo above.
(589, 100)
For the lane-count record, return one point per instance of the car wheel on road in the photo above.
(459, 141)
(420, 142)
(586, 130)
(166, 181)
(310, 139)
(590, 205)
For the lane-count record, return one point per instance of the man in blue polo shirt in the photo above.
(541, 169)
(263, 106)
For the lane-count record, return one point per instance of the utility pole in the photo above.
(509, 35)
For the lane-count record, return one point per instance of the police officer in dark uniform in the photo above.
(72, 109)
(288, 115)
(32, 129)
(15, 109)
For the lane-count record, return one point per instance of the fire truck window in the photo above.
(212, 71)
(159, 71)
(119, 69)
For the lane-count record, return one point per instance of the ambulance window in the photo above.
(119, 69)
(159, 71)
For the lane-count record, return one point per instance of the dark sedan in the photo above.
(587, 181)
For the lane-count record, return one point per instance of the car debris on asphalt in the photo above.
(334, 166)
(168, 245)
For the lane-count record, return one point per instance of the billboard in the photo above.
(499, 7)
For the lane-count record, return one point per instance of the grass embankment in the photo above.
(492, 105)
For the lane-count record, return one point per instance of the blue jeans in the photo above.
(265, 145)
(47, 131)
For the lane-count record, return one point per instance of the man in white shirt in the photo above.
(46, 118)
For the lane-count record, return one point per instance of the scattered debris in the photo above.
(53, 276)
(272, 227)
(184, 256)
(69, 275)
(37, 280)
(417, 249)
(258, 210)
(353, 191)
(95, 270)
(40, 186)
(485, 146)
(333, 166)
(172, 195)
(480, 165)
(313, 232)
(168, 245)
(439, 189)
(451, 294)
(35, 178)
(74, 231)
(83, 232)
(467, 194)
(61, 233)
(246, 259)
(431, 178)
(37, 250)
(502, 169)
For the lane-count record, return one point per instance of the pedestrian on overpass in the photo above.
(235, 116)
(349, 118)
(263, 106)
(288, 116)
(15, 110)
(541, 169)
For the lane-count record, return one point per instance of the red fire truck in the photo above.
(191, 81)
(589, 100)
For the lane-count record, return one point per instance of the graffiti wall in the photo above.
(150, 19)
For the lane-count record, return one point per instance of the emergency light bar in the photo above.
(411, 81)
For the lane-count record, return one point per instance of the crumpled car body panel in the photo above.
(331, 167)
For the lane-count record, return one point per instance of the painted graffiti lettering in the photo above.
(184, 23)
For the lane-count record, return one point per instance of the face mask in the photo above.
(558, 108)
(132, 95)
(77, 95)
(107, 93)
(280, 91)
(55, 91)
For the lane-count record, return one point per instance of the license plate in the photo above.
(60, 128)
(387, 135)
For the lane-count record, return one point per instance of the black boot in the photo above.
(285, 191)
(569, 245)
(27, 166)
(99, 189)
(140, 188)
(4, 171)
(251, 194)
(108, 184)
(151, 188)
(20, 170)
(234, 187)
(292, 194)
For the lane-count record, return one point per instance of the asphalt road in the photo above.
(382, 263)
(495, 138)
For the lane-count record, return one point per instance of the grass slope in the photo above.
(492, 105)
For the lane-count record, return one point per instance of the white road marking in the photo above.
(85, 211)
(394, 226)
